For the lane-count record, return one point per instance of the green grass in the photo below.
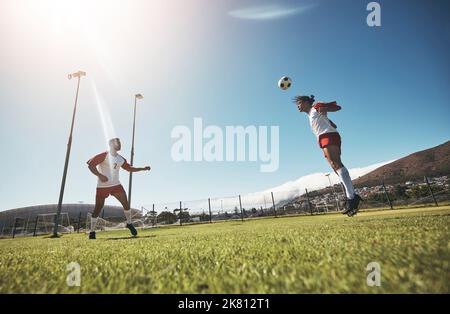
(308, 254)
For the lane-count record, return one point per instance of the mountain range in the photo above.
(430, 162)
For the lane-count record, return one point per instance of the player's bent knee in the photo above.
(333, 165)
(336, 164)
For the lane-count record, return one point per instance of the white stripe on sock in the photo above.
(93, 223)
(347, 181)
(128, 215)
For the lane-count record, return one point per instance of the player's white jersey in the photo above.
(319, 122)
(109, 166)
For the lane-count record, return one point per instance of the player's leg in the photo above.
(99, 203)
(121, 196)
(333, 155)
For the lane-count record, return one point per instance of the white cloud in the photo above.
(269, 12)
(286, 191)
(315, 181)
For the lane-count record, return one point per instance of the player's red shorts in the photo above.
(103, 193)
(330, 139)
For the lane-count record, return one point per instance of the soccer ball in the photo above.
(284, 83)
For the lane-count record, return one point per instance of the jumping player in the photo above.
(330, 142)
(106, 167)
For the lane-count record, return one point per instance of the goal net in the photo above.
(46, 222)
(109, 223)
(105, 223)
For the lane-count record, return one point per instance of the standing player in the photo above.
(106, 167)
(330, 142)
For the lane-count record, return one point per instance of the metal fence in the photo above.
(429, 192)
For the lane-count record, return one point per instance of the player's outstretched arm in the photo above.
(327, 107)
(126, 166)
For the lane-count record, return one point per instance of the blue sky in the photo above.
(218, 60)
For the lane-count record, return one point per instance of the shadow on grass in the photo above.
(130, 238)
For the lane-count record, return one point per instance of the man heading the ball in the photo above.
(330, 142)
(106, 167)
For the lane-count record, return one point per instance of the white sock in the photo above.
(93, 223)
(128, 215)
(347, 181)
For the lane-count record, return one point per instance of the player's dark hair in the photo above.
(113, 140)
(309, 99)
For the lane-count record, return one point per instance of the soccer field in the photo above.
(306, 254)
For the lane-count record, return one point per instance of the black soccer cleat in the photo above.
(352, 213)
(92, 235)
(347, 207)
(354, 204)
(132, 229)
